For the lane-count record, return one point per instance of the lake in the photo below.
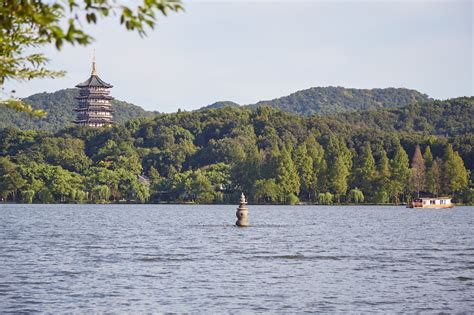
(190, 258)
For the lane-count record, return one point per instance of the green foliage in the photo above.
(26, 24)
(304, 165)
(212, 156)
(59, 106)
(287, 176)
(339, 168)
(383, 178)
(100, 193)
(292, 199)
(10, 179)
(27, 196)
(356, 195)
(365, 173)
(265, 191)
(331, 100)
(326, 198)
(20, 106)
(400, 173)
(445, 118)
(455, 174)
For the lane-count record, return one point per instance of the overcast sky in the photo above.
(246, 51)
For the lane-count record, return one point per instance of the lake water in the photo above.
(175, 258)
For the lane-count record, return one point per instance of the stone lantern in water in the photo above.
(242, 212)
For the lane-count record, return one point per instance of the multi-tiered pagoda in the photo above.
(93, 103)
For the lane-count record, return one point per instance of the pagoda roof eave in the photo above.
(94, 81)
(92, 97)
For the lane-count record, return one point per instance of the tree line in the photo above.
(212, 156)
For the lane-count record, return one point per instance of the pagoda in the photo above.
(93, 102)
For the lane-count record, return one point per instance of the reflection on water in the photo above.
(170, 258)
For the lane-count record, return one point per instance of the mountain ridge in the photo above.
(316, 100)
(330, 100)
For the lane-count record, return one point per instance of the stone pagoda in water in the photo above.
(242, 212)
(93, 102)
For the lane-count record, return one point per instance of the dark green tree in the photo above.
(455, 175)
(365, 173)
(399, 174)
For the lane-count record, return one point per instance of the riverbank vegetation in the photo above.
(272, 156)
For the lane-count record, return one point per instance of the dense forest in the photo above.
(273, 156)
(332, 100)
(59, 106)
(318, 100)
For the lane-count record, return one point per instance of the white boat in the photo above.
(431, 203)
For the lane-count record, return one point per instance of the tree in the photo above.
(383, 178)
(455, 175)
(27, 24)
(199, 187)
(399, 172)
(365, 173)
(356, 195)
(325, 198)
(265, 190)
(304, 166)
(27, 195)
(339, 160)
(287, 177)
(10, 179)
(436, 176)
(100, 193)
(417, 172)
(317, 154)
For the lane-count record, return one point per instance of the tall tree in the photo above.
(316, 152)
(287, 176)
(365, 173)
(339, 160)
(304, 165)
(10, 179)
(417, 172)
(455, 175)
(399, 172)
(383, 178)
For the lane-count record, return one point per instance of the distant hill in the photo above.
(318, 100)
(59, 106)
(451, 117)
(331, 100)
(220, 104)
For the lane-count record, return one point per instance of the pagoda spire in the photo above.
(94, 70)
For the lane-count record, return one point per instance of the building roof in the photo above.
(94, 81)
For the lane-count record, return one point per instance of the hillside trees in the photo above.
(455, 175)
(399, 174)
(365, 173)
(211, 157)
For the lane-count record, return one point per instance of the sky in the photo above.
(247, 51)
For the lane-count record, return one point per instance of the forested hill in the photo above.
(451, 117)
(220, 104)
(59, 106)
(331, 100)
(213, 155)
(318, 100)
